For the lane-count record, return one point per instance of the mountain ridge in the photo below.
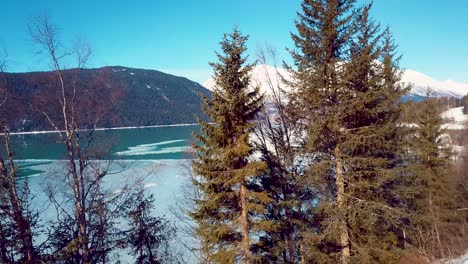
(149, 97)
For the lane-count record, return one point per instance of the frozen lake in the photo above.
(157, 154)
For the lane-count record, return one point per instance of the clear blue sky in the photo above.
(180, 36)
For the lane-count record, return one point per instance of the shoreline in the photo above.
(101, 129)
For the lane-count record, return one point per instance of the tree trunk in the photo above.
(245, 223)
(24, 228)
(79, 207)
(302, 251)
(3, 247)
(102, 219)
(340, 200)
(289, 238)
(436, 228)
(206, 251)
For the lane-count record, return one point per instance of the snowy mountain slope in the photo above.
(262, 75)
(420, 82)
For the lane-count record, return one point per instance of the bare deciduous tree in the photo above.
(15, 222)
(278, 138)
(74, 110)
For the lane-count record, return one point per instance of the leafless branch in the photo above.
(3, 81)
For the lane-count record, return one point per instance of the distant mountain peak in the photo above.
(421, 83)
(263, 75)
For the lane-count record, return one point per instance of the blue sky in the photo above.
(180, 36)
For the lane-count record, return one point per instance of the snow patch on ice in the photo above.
(154, 148)
(149, 185)
(139, 151)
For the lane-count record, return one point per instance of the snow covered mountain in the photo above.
(261, 74)
(421, 82)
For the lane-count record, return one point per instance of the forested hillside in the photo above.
(139, 97)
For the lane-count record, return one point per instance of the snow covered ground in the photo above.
(461, 260)
(455, 118)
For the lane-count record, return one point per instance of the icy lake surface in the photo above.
(157, 154)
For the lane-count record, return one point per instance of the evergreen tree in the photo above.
(434, 201)
(147, 235)
(349, 104)
(371, 145)
(324, 30)
(227, 212)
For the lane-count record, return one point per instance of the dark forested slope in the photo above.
(140, 97)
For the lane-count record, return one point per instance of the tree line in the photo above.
(343, 172)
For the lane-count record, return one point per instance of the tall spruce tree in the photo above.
(434, 200)
(226, 213)
(324, 30)
(371, 144)
(349, 104)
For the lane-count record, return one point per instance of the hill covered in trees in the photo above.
(138, 97)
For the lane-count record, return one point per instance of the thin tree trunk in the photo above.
(17, 209)
(245, 223)
(340, 186)
(3, 246)
(150, 252)
(79, 209)
(141, 237)
(289, 238)
(206, 252)
(302, 251)
(102, 220)
(436, 228)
